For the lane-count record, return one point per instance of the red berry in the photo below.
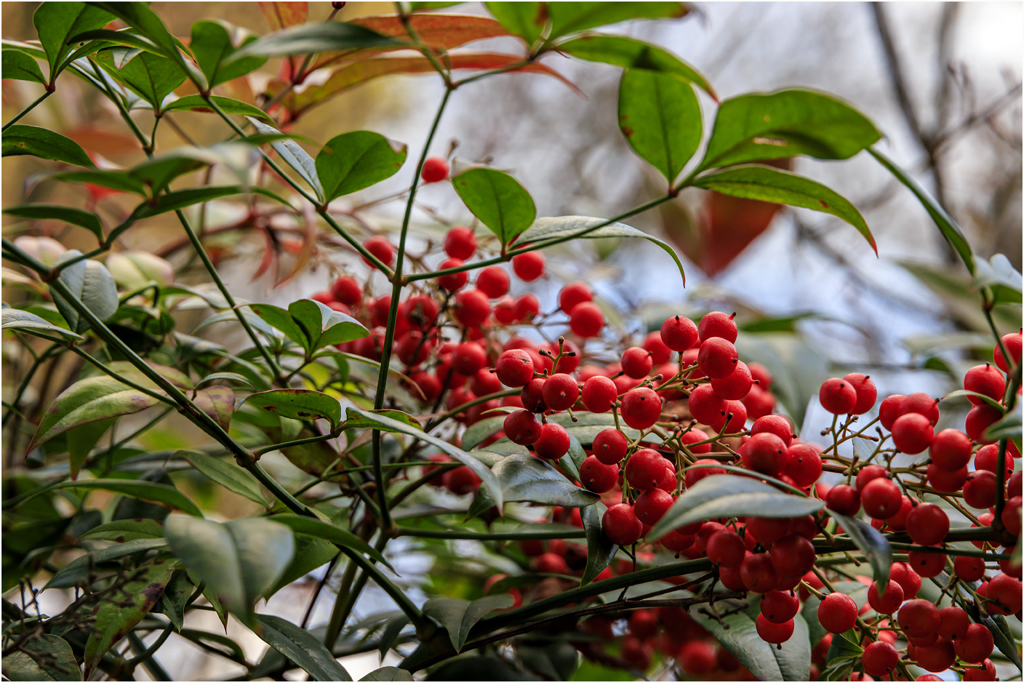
(953, 622)
(641, 408)
(706, 406)
(950, 449)
(938, 656)
(773, 424)
(380, 247)
(636, 653)
(803, 464)
(1012, 342)
(773, 633)
(560, 391)
(621, 525)
(597, 476)
(586, 320)
(1006, 591)
(521, 427)
(736, 385)
(768, 530)
(717, 324)
(485, 382)
(726, 548)
(435, 169)
(986, 674)
(922, 404)
(879, 658)
(460, 480)
(695, 436)
(1011, 516)
(493, 281)
(946, 481)
(837, 613)
(980, 418)
(460, 243)
(644, 468)
(975, 645)
(969, 568)
(779, 606)
(919, 618)
(610, 446)
(553, 442)
(793, 555)
(837, 396)
(527, 307)
(927, 524)
(572, 295)
(984, 380)
(533, 396)
(347, 291)
(889, 410)
(888, 601)
(757, 573)
(679, 333)
(412, 349)
(326, 298)
(987, 458)
(697, 657)
(514, 368)
(529, 266)
(717, 358)
(881, 498)
(636, 362)
(656, 347)
(980, 489)
(455, 281)
(764, 453)
(912, 433)
(867, 394)
(468, 358)
(598, 394)
(651, 505)
(472, 308)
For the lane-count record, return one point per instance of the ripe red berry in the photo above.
(1006, 591)
(641, 408)
(347, 291)
(837, 613)
(460, 243)
(598, 477)
(533, 395)
(621, 526)
(455, 281)
(493, 281)
(644, 469)
(908, 579)
(938, 656)
(837, 396)
(553, 442)
(522, 427)
(705, 405)
(779, 606)
(598, 394)
(725, 548)
(889, 410)
(679, 333)
(768, 530)
(881, 498)
(757, 573)
(697, 658)
(610, 446)
(927, 524)
(919, 618)
(867, 394)
(879, 658)
(975, 645)
(803, 464)
(560, 391)
(1011, 516)
(718, 324)
(792, 555)
(514, 368)
(736, 385)
(412, 349)
(435, 169)
(529, 266)
(717, 357)
(986, 674)
(773, 633)
(380, 247)
(636, 362)
(888, 601)
(953, 622)
(980, 418)
(912, 433)
(980, 489)
(656, 347)
(1012, 342)
(984, 380)
(586, 320)
(950, 449)
(922, 404)
(572, 295)
(468, 358)
(636, 653)
(460, 480)
(764, 453)
(651, 505)
(471, 308)
(987, 458)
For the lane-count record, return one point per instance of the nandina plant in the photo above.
(635, 504)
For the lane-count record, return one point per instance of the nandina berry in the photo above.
(522, 427)
(1015, 486)
(912, 433)
(779, 606)
(677, 542)
(435, 169)
(922, 404)
(867, 393)
(986, 674)
(953, 622)
(621, 525)
(656, 347)
(879, 658)
(705, 405)
(460, 243)
(927, 524)
(553, 442)
(641, 408)
(560, 391)
(764, 453)
(946, 481)
(493, 281)
(736, 385)
(644, 468)
(888, 601)
(597, 476)
(980, 418)
(572, 295)
(485, 382)
(455, 281)
(412, 349)
(774, 633)
(980, 489)
(468, 358)
(1011, 516)
(919, 618)
(533, 395)
(837, 613)
(792, 555)
(757, 573)
(347, 291)
(636, 653)
(938, 656)
(975, 645)
(420, 311)
(881, 498)
(803, 464)
(984, 380)
(586, 320)
(610, 446)
(569, 361)
(651, 505)
(1012, 342)
(869, 473)
(643, 624)
(679, 333)
(969, 568)
(806, 526)
(529, 266)
(514, 368)
(950, 449)
(549, 563)
(837, 396)
(598, 394)
(696, 657)
(1006, 591)
(692, 475)
(773, 424)
(695, 436)
(527, 307)
(428, 384)
(718, 324)
(889, 410)
(471, 308)
(726, 548)
(380, 247)
(460, 480)
(987, 458)
(704, 534)
(717, 357)
(768, 530)
(636, 362)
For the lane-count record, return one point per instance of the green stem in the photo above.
(120, 378)
(338, 612)
(26, 110)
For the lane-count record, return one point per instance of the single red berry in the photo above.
(717, 357)
(803, 464)
(975, 645)
(736, 385)
(837, 396)
(946, 481)
(636, 653)
(610, 446)
(679, 333)
(969, 568)
(1012, 342)
(980, 418)
(773, 424)
(879, 658)
(919, 618)
(938, 656)
(621, 525)
(485, 382)
(521, 427)
(455, 281)
(586, 320)
(927, 524)
(380, 247)
(912, 433)
(768, 530)
(636, 362)
(1011, 516)
(643, 624)
(514, 368)
(881, 498)
(922, 404)
(757, 573)
(792, 555)
(1006, 591)
(705, 405)
(598, 394)
(653, 344)
(471, 308)
(950, 449)
(764, 453)
(718, 324)
(837, 613)
(560, 391)
(468, 358)
(987, 458)
(888, 601)
(529, 266)
(460, 480)
(697, 657)
(435, 169)
(533, 395)
(980, 489)
(651, 505)
(779, 606)
(867, 394)
(641, 408)
(726, 548)
(986, 674)
(598, 477)
(347, 291)
(773, 633)
(644, 468)
(460, 243)
(693, 475)
(572, 295)
(493, 281)
(695, 436)
(553, 442)
(889, 410)
(984, 380)
(412, 349)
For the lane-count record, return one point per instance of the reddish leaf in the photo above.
(305, 249)
(280, 15)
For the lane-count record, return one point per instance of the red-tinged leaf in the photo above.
(306, 248)
(269, 256)
(218, 402)
(351, 75)
(441, 32)
(281, 15)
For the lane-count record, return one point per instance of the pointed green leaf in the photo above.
(18, 66)
(78, 569)
(524, 19)
(298, 404)
(227, 105)
(459, 616)
(498, 200)
(122, 530)
(43, 143)
(161, 494)
(113, 179)
(633, 54)
(301, 647)
(323, 326)
(227, 474)
(14, 319)
(55, 22)
(54, 660)
(871, 542)
(151, 76)
(573, 17)
(81, 440)
(211, 45)
(293, 155)
(308, 39)
(600, 550)
(90, 283)
(308, 526)
(67, 214)
(353, 161)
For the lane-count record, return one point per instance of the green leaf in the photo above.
(179, 199)
(573, 17)
(282, 320)
(115, 180)
(459, 616)
(218, 403)
(43, 143)
(660, 116)
(1003, 637)
(358, 422)
(301, 647)
(323, 326)
(298, 404)
(143, 490)
(308, 526)
(728, 495)
(227, 474)
(781, 187)
(78, 569)
(964, 393)
(498, 200)
(389, 673)
(67, 214)
(90, 283)
(14, 319)
(600, 550)
(524, 19)
(238, 561)
(81, 440)
(227, 104)
(18, 66)
(478, 432)
(634, 54)
(225, 377)
(172, 603)
(122, 530)
(54, 661)
(310, 553)
(308, 39)
(526, 478)
(947, 226)
(871, 542)
(1006, 427)
(211, 45)
(1001, 278)
(844, 646)
(150, 76)
(353, 161)
(55, 22)
(549, 228)
(785, 124)
(387, 424)
(292, 154)
(114, 619)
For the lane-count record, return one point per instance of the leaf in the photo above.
(81, 440)
(151, 76)
(964, 393)
(218, 403)
(114, 619)
(528, 478)
(18, 66)
(229, 475)
(90, 283)
(14, 319)
(548, 228)
(225, 377)
(388, 673)
(947, 226)
(125, 530)
(524, 19)
(313, 38)
(387, 424)
(282, 320)
(55, 22)
(600, 550)
(1003, 637)
(292, 154)
(871, 542)
(308, 526)
(573, 17)
(43, 143)
(298, 404)
(238, 561)
(634, 54)
(478, 432)
(211, 45)
(784, 124)
(781, 187)
(323, 326)
(143, 490)
(56, 663)
(357, 422)
(281, 15)
(176, 594)
(67, 214)
(498, 200)
(1001, 278)
(78, 569)
(459, 616)
(227, 104)
(1006, 427)
(179, 199)
(660, 116)
(310, 553)
(353, 161)
(728, 495)
(301, 647)
(113, 179)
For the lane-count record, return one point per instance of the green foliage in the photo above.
(43, 143)
(353, 161)
(871, 542)
(498, 200)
